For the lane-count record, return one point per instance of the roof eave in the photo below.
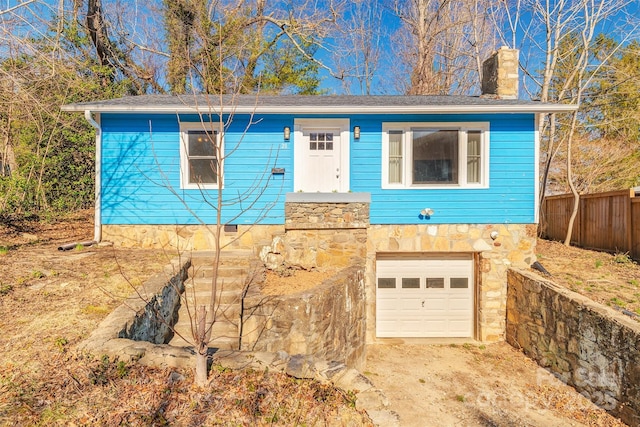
(421, 109)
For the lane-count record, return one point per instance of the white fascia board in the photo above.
(429, 109)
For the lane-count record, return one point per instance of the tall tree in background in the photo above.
(564, 34)
(443, 43)
(247, 45)
(60, 51)
(358, 48)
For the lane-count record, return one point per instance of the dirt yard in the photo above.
(51, 300)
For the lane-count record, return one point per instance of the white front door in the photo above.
(321, 155)
(425, 296)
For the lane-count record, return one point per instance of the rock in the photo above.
(300, 367)
(175, 377)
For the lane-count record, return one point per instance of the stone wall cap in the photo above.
(328, 197)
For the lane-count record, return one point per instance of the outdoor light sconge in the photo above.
(426, 212)
(356, 132)
(287, 133)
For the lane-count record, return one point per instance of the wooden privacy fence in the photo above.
(606, 221)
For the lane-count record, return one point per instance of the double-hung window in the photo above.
(435, 155)
(200, 149)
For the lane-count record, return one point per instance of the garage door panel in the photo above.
(432, 297)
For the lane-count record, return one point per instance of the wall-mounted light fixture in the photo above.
(287, 133)
(356, 132)
(426, 212)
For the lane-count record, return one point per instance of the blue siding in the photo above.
(510, 197)
(141, 173)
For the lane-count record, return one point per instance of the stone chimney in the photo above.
(500, 74)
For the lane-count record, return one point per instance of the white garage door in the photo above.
(428, 296)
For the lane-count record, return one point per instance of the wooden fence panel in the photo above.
(606, 221)
(635, 229)
(557, 211)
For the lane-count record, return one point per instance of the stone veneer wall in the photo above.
(188, 237)
(513, 247)
(324, 215)
(154, 322)
(587, 345)
(327, 321)
(320, 233)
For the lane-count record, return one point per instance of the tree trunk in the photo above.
(574, 191)
(202, 373)
(202, 344)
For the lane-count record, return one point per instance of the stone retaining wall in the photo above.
(327, 321)
(587, 345)
(154, 322)
(107, 338)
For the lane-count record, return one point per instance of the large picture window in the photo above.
(199, 157)
(419, 155)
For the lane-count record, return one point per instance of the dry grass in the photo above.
(610, 279)
(50, 301)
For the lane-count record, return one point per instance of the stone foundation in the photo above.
(587, 345)
(184, 238)
(319, 234)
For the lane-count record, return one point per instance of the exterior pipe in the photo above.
(69, 246)
(97, 227)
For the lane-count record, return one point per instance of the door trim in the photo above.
(299, 125)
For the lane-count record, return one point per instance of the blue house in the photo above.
(437, 195)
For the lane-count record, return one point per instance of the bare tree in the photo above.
(358, 47)
(443, 44)
(563, 34)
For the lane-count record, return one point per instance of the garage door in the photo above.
(424, 296)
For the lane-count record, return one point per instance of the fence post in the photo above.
(629, 221)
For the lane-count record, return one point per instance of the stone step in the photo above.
(223, 283)
(219, 329)
(199, 271)
(229, 296)
(222, 343)
(229, 312)
(227, 258)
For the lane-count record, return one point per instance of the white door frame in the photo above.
(299, 125)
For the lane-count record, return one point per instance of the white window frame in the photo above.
(407, 157)
(184, 155)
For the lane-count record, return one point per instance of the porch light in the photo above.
(287, 133)
(356, 132)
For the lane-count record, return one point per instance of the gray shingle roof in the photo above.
(315, 104)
